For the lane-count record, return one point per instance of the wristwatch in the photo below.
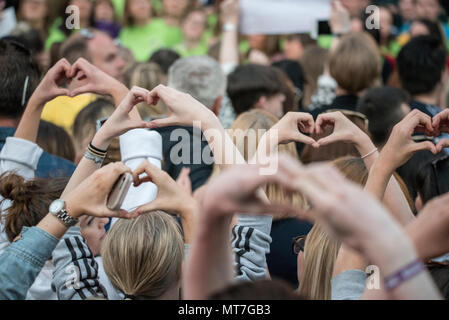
(58, 209)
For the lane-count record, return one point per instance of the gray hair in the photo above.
(199, 76)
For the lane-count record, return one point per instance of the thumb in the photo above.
(305, 139)
(425, 145)
(152, 206)
(159, 123)
(78, 91)
(442, 144)
(328, 140)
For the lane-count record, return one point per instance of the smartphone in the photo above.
(119, 191)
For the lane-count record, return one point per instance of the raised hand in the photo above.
(183, 108)
(222, 197)
(230, 11)
(89, 79)
(342, 206)
(440, 124)
(293, 126)
(430, 230)
(339, 21)
(344, 130)
(400, 146)
(171, 197)
(90, 197)
(120, 121)
(52, 84)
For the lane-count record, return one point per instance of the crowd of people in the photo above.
(262, 166)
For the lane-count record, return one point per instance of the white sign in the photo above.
(282, 16)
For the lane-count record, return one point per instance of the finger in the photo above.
(328, 140)
(305, 120)
(305, 139)
(324, 120)
(149, 207)
(113, 171)
(122, 214)
(160, 123)
(426, 145)
(80, 90)
(421, 119)
(442, 144)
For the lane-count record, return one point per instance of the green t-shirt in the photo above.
(143, 41)
(119, 6)
(200, 50)
(55, 34)
(171, 35)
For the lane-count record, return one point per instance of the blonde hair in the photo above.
(147, 76)
(261, 121)
(355, 63)
(320, 253)
(143, 257)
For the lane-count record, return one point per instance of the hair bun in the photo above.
(14, 188)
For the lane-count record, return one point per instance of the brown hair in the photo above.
(353, 169)
(147, 76)
(334, 150)
(85, 127)
(313, 61)
(55, 140)
(355, 63)
(30, 200)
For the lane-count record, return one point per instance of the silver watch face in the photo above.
(56, 206)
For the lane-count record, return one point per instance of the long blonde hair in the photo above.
(143, 257)
(320, 253)
(260, 121)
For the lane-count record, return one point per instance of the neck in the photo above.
(341, 92)
(142, 22)
(84, 23)
(12, 123)
(172, 21)
(191, 43)
(426, 98)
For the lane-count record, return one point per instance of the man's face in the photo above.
(105, 55)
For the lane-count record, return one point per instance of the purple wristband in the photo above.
(404, 274)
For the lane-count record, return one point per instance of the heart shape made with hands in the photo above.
(331, 127)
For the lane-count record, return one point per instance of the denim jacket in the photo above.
(22, 261)
(49, 166)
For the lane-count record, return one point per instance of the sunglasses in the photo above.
(298, 244)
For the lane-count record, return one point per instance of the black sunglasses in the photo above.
(298, 244)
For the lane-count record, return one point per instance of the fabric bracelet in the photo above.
(97, 149)
(369, 154)
(406, 273)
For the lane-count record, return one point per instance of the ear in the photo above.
(217, 105)
(261, 103)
